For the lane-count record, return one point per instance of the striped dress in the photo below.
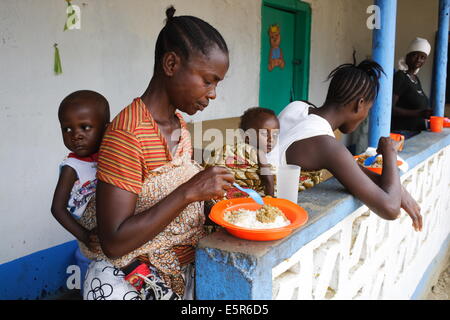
(134, 157)
(133, 146)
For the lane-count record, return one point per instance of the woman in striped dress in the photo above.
(149, 203)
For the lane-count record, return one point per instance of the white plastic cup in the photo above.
(288, 178)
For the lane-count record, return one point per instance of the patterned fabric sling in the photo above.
(163, 252)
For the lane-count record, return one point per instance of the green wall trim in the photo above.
(302, 11)
(294, 5)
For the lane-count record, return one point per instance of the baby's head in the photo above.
(84, 116)
(266, 125)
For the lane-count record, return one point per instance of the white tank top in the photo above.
(296, 124)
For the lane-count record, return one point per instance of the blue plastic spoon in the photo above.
(252, 193)
(370, 160)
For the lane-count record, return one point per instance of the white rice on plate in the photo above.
(268, 217)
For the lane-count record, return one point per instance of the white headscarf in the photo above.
(418, 44)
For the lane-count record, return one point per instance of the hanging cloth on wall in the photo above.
(73, 17)
(57, 65)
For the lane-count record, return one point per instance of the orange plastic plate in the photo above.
(378, 170)
(296, 214)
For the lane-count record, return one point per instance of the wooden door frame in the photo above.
(302, 46)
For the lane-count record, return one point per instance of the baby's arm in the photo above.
(265, 174)
(268, 182)
(59, 210)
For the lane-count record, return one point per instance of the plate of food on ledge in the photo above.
(245, 219)
(377, 166)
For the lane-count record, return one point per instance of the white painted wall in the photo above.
(112, 54)
(338, 28)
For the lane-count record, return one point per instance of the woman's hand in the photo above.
(211, 183)
(121, 231)
(412, 208)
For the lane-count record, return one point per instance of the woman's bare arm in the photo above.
(409, 204)
(324, 152)
(120, 231)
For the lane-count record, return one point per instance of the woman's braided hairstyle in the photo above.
(185, 34)
(350, 82)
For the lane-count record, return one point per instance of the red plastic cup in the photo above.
(436, 124)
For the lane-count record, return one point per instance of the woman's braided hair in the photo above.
(185, 34)
(350, 82)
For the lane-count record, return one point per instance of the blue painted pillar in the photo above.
(383, 52)
(440, 75)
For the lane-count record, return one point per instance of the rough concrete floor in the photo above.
(441, 290)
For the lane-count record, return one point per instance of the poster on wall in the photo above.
(276, 54)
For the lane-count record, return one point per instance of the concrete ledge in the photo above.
(327, 204)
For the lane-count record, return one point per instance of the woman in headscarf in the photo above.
(410, 105)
